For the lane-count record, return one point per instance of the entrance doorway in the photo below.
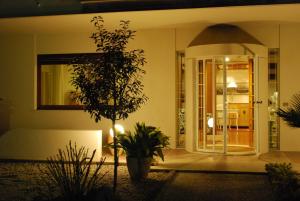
(225, 104)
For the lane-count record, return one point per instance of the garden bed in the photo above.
(19, 182)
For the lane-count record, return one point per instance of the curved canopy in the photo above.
(222, 34)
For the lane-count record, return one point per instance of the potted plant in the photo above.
(141, 147)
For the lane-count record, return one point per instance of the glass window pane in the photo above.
(56, 85)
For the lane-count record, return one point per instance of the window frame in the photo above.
(50, 59)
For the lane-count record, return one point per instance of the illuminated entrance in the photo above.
(225, 104)
(226, 92)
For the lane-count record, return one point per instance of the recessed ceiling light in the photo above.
(96, 1)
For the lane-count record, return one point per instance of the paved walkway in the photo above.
(217, 187)
(190, 184)
(179, 159)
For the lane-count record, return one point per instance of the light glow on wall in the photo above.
(99, 142)
(119, 128)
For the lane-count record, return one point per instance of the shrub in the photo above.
(283, 180)
(72, 174)
(146, 141)
(291, 114)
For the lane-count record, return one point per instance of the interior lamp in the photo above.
(210, 122)
(232, 84)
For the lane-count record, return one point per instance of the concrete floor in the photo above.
(179, 159)
(217, 187)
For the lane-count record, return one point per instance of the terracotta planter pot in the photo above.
(138, 168)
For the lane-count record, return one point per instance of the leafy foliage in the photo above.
(147, 141)
(73, 173)
(283, 180)
(110, 83)
(291, 115)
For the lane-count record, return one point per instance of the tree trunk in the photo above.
(116, 159)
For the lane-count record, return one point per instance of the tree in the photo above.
(109, 83)
(291, 115)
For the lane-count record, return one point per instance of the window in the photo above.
(274, 135)
(55, 91)
(180, 138)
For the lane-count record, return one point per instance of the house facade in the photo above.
(214, 77)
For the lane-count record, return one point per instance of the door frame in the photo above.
(196, 101)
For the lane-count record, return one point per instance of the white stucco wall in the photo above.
(39, 144)
(159, 110)
(286, 37)
(289, 81)
(18, 76)
(18, 82)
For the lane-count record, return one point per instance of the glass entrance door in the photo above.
(225, 112)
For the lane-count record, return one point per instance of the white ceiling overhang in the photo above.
(286, 13)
